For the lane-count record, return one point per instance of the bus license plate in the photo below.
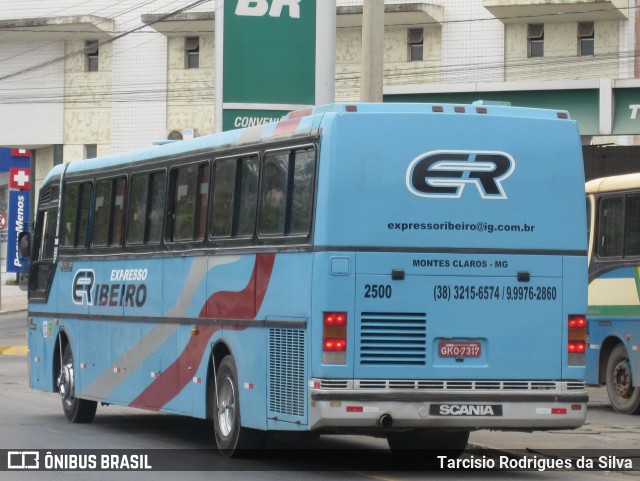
(459, 349)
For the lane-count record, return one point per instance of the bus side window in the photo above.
(611, 227)
(146, 208)
(235, 197)
(75, 215)
(190, 194)
(288, 184)
(224, 189)
(101, 213)
(302, 195)
(47, 247)
(249, 185)
(109, 212)
(632, 232)
(274, 194)
(588, 220)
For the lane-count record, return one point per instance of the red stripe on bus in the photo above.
(246, 303)
(296, 114)
(243, 305)
(288, 126)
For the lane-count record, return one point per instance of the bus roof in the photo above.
(613, 183)
(300, 122)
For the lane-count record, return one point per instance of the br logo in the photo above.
(446, 173)
(259, 8)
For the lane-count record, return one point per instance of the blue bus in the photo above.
(613, 355)
(412, 271)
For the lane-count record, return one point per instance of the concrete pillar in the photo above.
(372, 51)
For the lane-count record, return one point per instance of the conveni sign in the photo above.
(270, 64)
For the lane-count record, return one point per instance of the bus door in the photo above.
(43, 254)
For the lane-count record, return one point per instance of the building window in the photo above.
(192, 52)
(415, 43)
(586, 44)
(90, 151)
(91, 55)
(535, 38)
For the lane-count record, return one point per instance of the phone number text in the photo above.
(447, 292)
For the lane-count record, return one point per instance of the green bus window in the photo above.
(611, 228)
(632, 237)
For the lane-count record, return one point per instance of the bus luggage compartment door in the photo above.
(458, 327)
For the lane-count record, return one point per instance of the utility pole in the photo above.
(372, 51)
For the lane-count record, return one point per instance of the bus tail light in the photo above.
(334, 337)
(577, 343)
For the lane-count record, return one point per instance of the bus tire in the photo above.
(450, 443)
(624, 397)
(231, 438)
(75, 409)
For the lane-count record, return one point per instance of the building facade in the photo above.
(79, 80)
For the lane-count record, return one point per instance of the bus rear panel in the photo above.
(453, 245)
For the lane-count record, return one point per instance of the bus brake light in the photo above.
(334, 344)
(577, 322)
(334, 337)
(334, 318)
(577, 339)
(577, 347)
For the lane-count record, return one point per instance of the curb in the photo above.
(13, 311)
(14, 350)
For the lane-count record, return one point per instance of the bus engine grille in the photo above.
(286, 372)
(393, 338)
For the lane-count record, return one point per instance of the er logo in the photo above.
(82, 285)
(445, 174)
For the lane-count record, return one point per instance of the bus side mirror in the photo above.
(24, 248)
(24, 245)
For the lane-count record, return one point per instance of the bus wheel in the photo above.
(231, 438)
(450, 443)
(77, 410)
(623, 396)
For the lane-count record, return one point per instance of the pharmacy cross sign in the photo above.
(19, 178)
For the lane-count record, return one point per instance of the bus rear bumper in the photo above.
(389, 410)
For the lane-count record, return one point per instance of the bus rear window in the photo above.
(287, 192)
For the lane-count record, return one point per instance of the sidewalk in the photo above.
(12, 298)
(603, 430)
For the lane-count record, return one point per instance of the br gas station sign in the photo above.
(270, 63)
